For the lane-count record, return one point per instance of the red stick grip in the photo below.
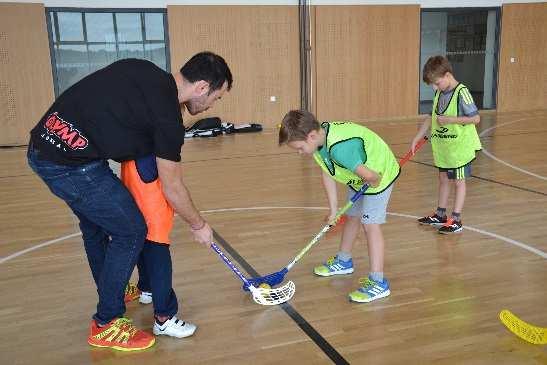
(409, 154)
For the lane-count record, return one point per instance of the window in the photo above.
(469, 39)
(83, 41)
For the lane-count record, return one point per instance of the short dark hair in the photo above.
(296, 126)
(209, 67)
(436, 67)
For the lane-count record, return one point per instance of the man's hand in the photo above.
(203, 234)
(178, 196)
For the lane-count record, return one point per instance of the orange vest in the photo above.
(156, 210)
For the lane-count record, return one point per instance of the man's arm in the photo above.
(176, 193)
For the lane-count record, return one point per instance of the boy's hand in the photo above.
(330, 217)
(368, 176)
(337, 225)
(443, 119)
(414, 143)
(376, 182)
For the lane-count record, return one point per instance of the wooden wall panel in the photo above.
(367, 61)
(522, 85)
(260, 44)
(26, 84)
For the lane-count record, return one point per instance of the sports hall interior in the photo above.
(265, 202)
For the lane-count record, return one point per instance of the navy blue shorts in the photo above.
(460, 173)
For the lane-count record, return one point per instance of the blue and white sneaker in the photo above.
(334, 266)
(370, 290)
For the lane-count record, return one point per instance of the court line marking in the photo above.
(478, 230)
(488, 154)
(304, 325)
(489, 234)
(40, 245)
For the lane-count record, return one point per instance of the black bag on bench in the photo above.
(212, 127)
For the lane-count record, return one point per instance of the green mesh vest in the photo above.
(379, 157)
(453, 145)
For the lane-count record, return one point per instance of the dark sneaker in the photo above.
(432, 220)
(451, 226)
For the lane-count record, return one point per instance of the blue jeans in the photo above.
(113, 228)
(155, 276)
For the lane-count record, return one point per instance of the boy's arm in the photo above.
(442, 120)
(330, 189)
(424, 128)
(369, 176)
(467, 106)
(176, 193)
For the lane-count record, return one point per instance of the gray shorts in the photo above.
(371, 208)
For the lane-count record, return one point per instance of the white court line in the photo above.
(259, 208)
(488, 154)
(490, 234)
(35, 247)
(486, 233)
(501, 125)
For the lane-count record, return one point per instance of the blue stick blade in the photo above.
(273, 279)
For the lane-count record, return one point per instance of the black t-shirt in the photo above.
(126, 110)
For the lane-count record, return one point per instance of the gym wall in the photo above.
(261, 45)
(522, 84)
(26, 85)
(367, 61)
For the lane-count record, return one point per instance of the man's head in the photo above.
(301, 131)
(438, 73)
(206, 78)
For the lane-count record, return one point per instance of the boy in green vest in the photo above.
(352, 155)
(454, 140)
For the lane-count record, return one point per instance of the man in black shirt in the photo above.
(127, 110)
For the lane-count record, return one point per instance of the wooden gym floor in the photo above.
(266, 203)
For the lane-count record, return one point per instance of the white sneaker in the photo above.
(145, 297)
(174, 327)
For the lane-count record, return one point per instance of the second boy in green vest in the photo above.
(454, 140)
(352, 155)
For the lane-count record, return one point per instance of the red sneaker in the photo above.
(119, 334)
(131, 292)
(451, 226)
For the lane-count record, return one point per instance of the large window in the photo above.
(85, 40)
(469, 39)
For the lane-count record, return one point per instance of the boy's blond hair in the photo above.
(296, 126)
(435, 67)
